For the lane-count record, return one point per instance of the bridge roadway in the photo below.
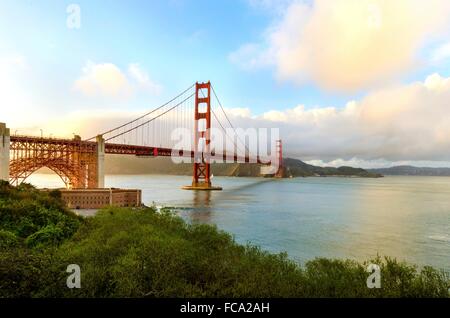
(27, 143)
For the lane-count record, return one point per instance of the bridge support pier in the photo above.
(4, 152)
(100, 161)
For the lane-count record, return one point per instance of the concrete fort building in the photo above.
(100, 198)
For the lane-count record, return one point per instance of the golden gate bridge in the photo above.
(80, 163)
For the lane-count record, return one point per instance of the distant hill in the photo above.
(298, 168)
(412, 171)
(163, 165)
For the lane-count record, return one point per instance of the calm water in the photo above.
(404, 217)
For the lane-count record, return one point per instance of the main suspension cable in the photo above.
(148, 121)
(146, 114)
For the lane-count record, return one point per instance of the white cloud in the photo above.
(196, 37)
(441, 53)
(403, 122)
(436, 82)
(238, 112)
(275, 115)
(143, 80)
(346, 45)
(87, 123)
(250, 56)
(272, 6)
(15, 98)
(107, 79)
(103, 79)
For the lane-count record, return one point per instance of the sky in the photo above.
(348, 82)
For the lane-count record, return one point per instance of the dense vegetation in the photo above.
(142, 253)
(29, 217)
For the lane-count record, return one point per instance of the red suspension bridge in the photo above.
(193, 125)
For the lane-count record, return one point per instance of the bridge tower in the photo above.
(4, 152)
(201, 179)
(279, 148)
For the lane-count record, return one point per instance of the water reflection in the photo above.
(206, 203)
(202, 199)
(202, 207)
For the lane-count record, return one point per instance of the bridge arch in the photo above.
(21, 169)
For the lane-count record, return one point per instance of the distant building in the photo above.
(100, 198)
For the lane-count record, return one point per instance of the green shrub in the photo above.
(55, 194)
(30, 273)
(25, 227)
(8, 239)
(35, 216)
(48, 235)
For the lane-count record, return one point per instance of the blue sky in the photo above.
(255, 53)
(177, 42)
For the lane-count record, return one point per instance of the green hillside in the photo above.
(413, 171)
(162, 165)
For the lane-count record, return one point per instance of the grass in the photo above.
(142, 253)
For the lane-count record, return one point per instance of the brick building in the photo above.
(99, 198)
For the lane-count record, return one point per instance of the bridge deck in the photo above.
(27, 143)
